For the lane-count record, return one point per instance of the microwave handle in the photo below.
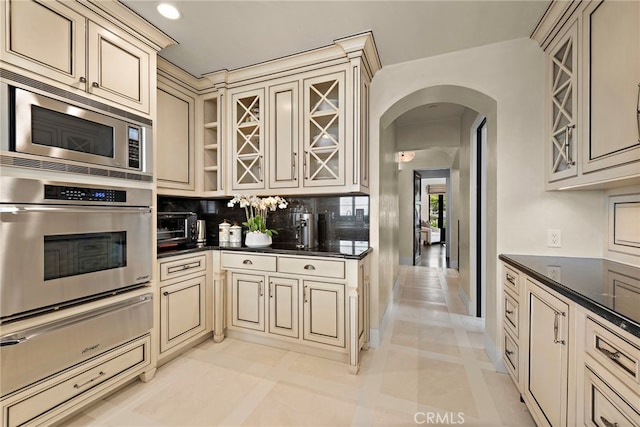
(71, 209)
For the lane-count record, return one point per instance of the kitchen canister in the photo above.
(224, 232)
(235, 233)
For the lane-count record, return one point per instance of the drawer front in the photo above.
(604, 407)
(511, 313)
(511, 279)
(312, 267)
(36, 406)
(182, 267)
(614, 353)
(245, 261)
(511, 355)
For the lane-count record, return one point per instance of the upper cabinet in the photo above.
(299, 125)
(593, 93)
(82, 52)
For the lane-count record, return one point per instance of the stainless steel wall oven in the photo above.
(64, 243)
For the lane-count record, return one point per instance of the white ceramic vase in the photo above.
(256, 239)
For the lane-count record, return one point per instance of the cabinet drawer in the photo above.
(511, 313)
(35, 407)
(511, 355)
(614, 353)
(511, 279)
(604, 407)
(312, 267)
(182, 267)
(244, 261)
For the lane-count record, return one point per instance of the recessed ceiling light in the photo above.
(169, 11)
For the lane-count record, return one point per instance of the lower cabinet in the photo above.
(301, 303)
(546, 379)
(324, 312)
(186, 302)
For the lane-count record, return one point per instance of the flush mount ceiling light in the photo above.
(169, 11)
(406, 156)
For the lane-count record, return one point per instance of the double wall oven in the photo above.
(63, 245)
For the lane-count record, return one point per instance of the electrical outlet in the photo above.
(554, 273)
(554, 238)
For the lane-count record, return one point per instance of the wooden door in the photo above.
(283, 306)
(324, 313)
(247, 298)
(547, 373)
(284, 138)
(247, 139)
(182, 311)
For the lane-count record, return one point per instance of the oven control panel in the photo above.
(86, 194)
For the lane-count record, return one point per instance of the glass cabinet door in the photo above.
(324, 156)
(248, 140)
(562, 95)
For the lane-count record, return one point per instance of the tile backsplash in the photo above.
(347, 217)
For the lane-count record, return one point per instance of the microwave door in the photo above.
(47, 127)
(55, 254)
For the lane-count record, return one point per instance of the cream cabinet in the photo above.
(80, 53)
(186, 302)
(175, 141)
(593, 82)
(512, 283)
(311, 304)
(300, 124)
(547, 367)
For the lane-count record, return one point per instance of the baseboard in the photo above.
(465, 300)
(406, 261)
(495, 354)
(375, 335)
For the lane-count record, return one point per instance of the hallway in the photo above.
(434, 255)
(431, 365)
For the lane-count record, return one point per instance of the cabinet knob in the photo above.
(247, 262)
(95, 84)
(509, 311)
(83, 80)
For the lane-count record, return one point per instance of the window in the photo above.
(354, 206)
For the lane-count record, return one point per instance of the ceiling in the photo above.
(430, 112)
(215, 35)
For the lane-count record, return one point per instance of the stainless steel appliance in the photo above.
(43, 126)
(306, 231)
(64, 243)
(176, 228)
(201, 233)
(35, 353)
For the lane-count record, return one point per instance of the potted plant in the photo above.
(256, 210)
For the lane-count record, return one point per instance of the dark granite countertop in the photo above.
(590, 283)
(345, 249)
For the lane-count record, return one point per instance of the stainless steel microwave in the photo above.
(43, 126)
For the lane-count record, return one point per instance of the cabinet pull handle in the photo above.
(610, 354)
(509, 311)
(304, 294)
(95, 84)
(638, 112)
(260, 169)
(304, 165)
(556, 329)
(567, 155)
(607, 423)
(270, 289)
(247, 262)
(102, 373)
(293, 166)
(165, 293)
(83, 80)
(261, 288)
(511, 279)
(508, 352)
(309, 267)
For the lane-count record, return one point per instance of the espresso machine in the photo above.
(310, 230)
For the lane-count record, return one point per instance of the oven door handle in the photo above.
(15, 209)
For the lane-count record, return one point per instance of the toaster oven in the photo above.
(176, 228)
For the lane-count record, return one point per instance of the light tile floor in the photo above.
(430, 369)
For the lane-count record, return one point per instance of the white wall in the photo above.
(520, 211)
(418, 136)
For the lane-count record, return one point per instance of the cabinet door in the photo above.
(119, 68)
(283, 135)
(611, 61)
(56, 50)
(562, 95)
(324, 130)
(247, 138)
(247, 297)
(547, 373)
(175, 140)
(324, 313)
(283, 306)
(182, 311)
